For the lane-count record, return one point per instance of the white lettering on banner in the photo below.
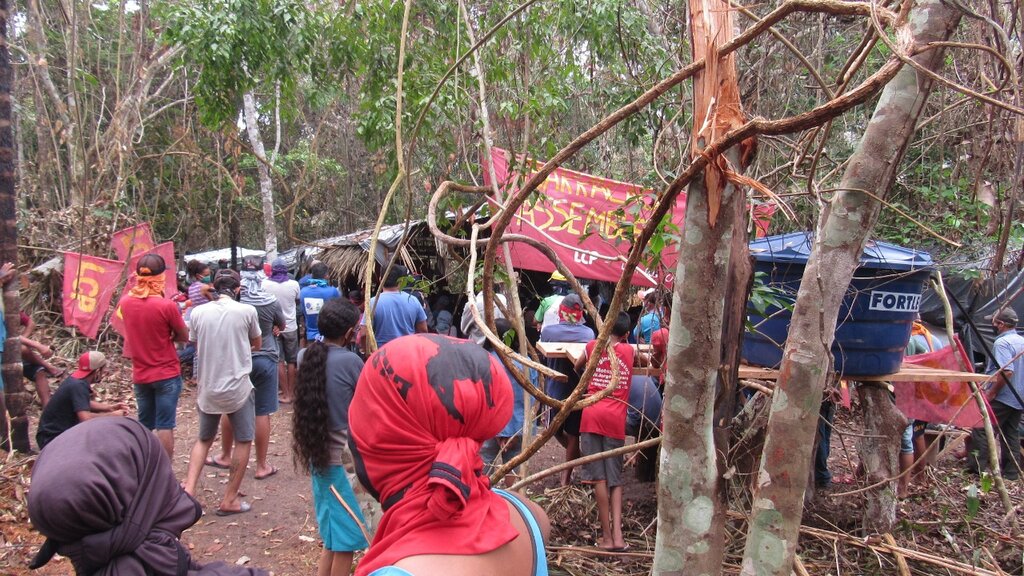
(583, 258)
(895, 301)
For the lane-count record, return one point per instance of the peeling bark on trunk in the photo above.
(691, 508)
(691, 525)
(807, 360)
(879, 453)
(14, 388)
(252, 127)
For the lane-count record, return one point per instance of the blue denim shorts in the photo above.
(264, 383)
(158, 403)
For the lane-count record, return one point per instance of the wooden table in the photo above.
(572, 351)
(908, 372)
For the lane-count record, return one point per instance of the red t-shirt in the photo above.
(608, 417)
(659, 348)
(149, 327)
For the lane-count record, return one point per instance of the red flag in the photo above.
(939, 402)
(88, 285)
(134, 241)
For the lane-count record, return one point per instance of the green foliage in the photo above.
(239, 45)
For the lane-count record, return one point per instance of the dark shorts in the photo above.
(608, 469)
(29, 370)
(158, 403)
(243, 421)
(264, 382)
(288, 346)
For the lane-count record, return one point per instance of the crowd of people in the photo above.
(417, 422)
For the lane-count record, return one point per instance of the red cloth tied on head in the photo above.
(422, 407)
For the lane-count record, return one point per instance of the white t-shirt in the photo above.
(287, 293)
(222, 330)
(468, 325)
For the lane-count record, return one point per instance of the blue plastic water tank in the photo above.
(874, 319)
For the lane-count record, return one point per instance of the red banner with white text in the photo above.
(88, 286)
(132, 241)
(588, 221)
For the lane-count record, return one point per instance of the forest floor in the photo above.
(950, 519)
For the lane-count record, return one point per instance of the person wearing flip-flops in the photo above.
(226, 332)
(603, 428)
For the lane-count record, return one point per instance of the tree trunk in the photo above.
(252, 127)
(691, 509)
(879, 453)
(807, 360)
(691, 521)
(15, 396)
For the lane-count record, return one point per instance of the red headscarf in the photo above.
(422, 407)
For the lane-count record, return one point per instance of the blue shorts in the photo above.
(158, 403)
(338, 529)
(264, 382)
(907, 441)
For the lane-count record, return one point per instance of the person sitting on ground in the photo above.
(422, 406)
(508, 443)
(72, 402)
(328, 372)
(570, 328)
(106, 498)
(34, 360)
(603, 428)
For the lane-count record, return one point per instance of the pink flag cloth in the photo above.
(88, 286)
(132, 241)
(939, 402)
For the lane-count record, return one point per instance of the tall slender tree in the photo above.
(14, 390)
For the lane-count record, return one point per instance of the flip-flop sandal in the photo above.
(273, 470)
(243, 508)
(619, 549)
(214, 464)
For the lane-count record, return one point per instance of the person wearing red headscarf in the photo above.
(423, 405)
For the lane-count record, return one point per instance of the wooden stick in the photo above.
(598, 551)
(901, 562)
(355, 517)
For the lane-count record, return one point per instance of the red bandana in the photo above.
(422, 407)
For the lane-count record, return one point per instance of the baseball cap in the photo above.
(279, 265)
(1006, 316)
(557, 276)
(88, 363)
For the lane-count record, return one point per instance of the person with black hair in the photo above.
(603, 428)
(152, 324)
(226, 333)
(313, 296)
(395, 313)
(327, 377)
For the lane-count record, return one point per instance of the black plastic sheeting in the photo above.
(979, 297)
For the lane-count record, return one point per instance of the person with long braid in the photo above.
(328, 371)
